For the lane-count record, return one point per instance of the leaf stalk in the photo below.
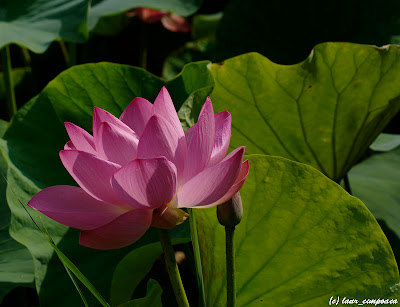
(8, 81)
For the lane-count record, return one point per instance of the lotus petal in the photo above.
(222, 138)
(80, 138)
(159, 139)
(146, 183)
(200, 142)
(120, 232)
(92, 173)
(137, 114)
(73, 207)
(116, 144)
(213, 183)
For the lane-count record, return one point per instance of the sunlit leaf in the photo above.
(325, 111)
(302, 239)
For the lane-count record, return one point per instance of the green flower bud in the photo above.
(230, 212)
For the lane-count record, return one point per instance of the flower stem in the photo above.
(172, 268)
(230, 266)
(8, 81)
(197, 259)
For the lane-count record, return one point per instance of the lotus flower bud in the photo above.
(230, 212)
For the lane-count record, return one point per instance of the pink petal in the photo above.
(222, 138)
(146, 183)
(116, 144)
(69, 146)
(212, 183)
(92, 173)
(123, 231)
(235, 187)
(80, 138)
(159, 139)
(200, 142)
(137, 114)
(175, 23)
(100, 116)
(73, 207)
(164, 107)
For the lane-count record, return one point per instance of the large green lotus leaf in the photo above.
(36, 23)
(31, 146)
(285, 30)
(325, 111)
(376, 181)
(302, 239)
(16, 266)
(101, 8)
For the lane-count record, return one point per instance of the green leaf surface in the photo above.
(386, 142)
(205, 26)
(203, 32)
(3, 127)
(132, 269)
(16, 265)
(153, 297)
(302, 239)
(32, 143)
(376, 181)
(34, 24)
(324, 111)
(100, 8)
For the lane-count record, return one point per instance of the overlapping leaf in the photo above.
(31, 146)
(101, 8)
(376, 181)
(302, 239)
(36, 23)
(325, 111)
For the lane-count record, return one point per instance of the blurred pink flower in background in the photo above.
(170, 21)
(138, 170)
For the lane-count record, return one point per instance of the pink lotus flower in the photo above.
(170, 21)
(136, 171)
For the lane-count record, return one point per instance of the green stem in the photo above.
(172, 268)
(230, 266)
(26, 57)
(197, 259)
(8, 81)
(347, 184)
(65, 53)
